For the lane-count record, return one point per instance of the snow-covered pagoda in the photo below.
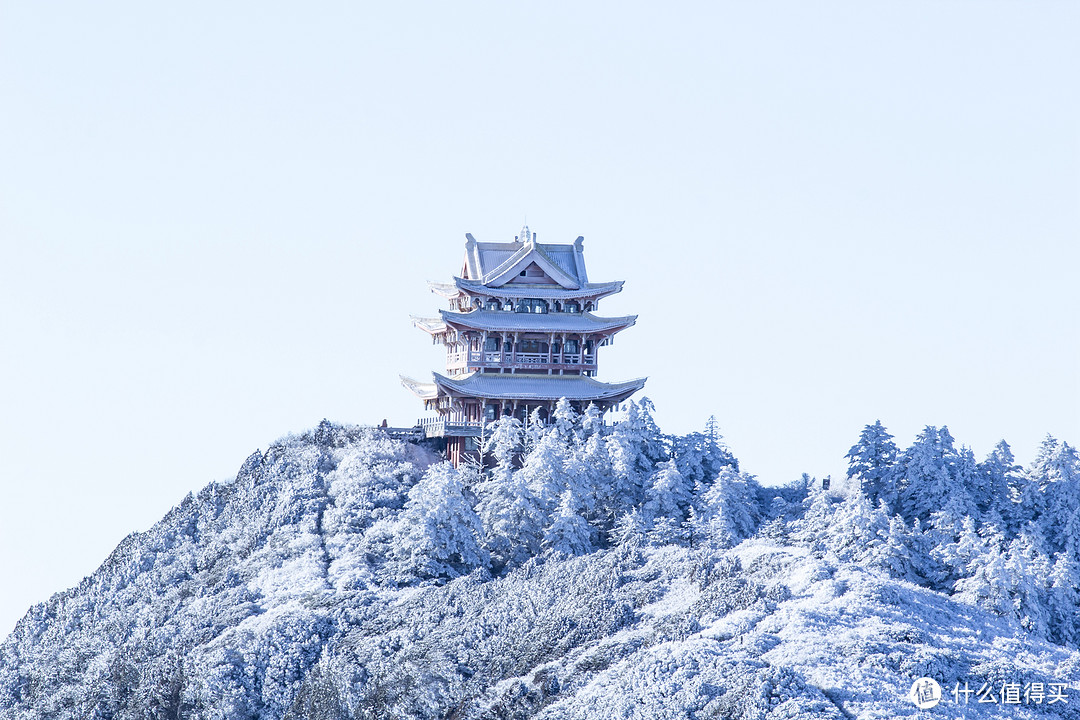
(520, 334)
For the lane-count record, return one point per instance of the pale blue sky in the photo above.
(216, 219)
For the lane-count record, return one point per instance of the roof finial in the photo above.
(526, 236)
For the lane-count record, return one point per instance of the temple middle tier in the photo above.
(499, 341)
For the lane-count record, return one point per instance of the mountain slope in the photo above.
(263, 598)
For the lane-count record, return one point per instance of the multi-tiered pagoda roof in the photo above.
(521, 333)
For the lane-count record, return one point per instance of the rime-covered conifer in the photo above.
(898, 555)
(987, 583)
(569, 533)
(438, 535)
(1000, 483)
(630, 467)
(1063, 599)
(729, 508)
(869, 464)
(924, 473)
(566, 423)
(668, 496)
(630, 529)
(654, 443)
(956, 557)
(533, 430)
(544, 469)
(1052, 493)
(701, 456)
(512, 515)
(592, 421)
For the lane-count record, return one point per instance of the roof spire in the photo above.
(526, 236)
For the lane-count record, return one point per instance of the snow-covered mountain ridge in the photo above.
(346, 575)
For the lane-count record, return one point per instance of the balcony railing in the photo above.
(442, 427)
(517, 360)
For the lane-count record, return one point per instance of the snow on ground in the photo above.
(834, 641)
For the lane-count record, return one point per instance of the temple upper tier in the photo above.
(521, 332)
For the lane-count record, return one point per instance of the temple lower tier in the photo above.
(464, 405)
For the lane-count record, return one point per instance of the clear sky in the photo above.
(216, 219)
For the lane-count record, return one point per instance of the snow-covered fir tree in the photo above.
(630, 529)
(544, 469)
(629, 461)
(438, 535)
(1051, 494)
(1063, 599)
(925, 475)
(870, 463)
(729, 508)
(701, 456)
(668, 497)
(567, 425)
(513, 516)
(569, 533)
(1000, 486)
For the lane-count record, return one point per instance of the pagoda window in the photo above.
(532, 305)
(491, 344)
(532, 346)
(572, 347)
(572, 307)
(491, 411)
(556, 347)
(588, 346)
(493, 304)
(508, 347)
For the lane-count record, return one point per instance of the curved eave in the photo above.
(500, 321)
(446, 290)
(537, 387)
(589, 291)
(432, 326)
(422, 390)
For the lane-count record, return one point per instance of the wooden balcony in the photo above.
(441, 427)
